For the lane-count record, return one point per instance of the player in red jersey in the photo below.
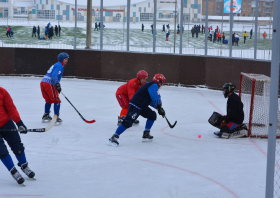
(126, 92)
(8, 114)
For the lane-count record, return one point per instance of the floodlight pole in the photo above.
(75, 39)
(127, 24)
(273, 105)
(101, 24)
(175, 25)
(154, 30)
(181, 26)
(230, 29)
(206, 27)
(256, 28)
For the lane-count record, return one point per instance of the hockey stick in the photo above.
(90, 122)
(37, 130)
(171, 126)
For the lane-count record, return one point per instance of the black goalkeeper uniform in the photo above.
(235, 111)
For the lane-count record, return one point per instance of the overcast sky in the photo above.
(105, 2)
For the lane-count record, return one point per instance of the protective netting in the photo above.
(255, 95)
(277, 170)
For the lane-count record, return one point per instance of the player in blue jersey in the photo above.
(148, 94)
(50, 87)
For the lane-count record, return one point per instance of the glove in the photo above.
(161, 111)
(58, 87)
(21, 127)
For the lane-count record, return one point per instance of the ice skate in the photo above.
(147, 137)
(58, 121)
(113, 141)
(120, 120)
(17, 176)
(46, 118)
(24, 167)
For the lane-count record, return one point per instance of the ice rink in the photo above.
(73, 160)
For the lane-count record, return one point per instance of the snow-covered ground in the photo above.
(114, 38)
(73, 160)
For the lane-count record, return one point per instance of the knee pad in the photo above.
(153, 116)
(127, 123)
(18, 148)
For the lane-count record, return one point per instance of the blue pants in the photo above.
(13, 140)
(134, 112)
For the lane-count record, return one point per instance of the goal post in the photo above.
(254, 91)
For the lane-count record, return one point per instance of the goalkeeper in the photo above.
(231, 124)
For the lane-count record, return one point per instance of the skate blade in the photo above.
(146, 140)
(46, 121)
(23, 184)
(57, 123)
(112, 143)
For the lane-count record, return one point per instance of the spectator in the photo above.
(56, 30)
(223, 36)
(236, 39)
(233, 38)
(95, 26)
(196, 31)
(202, 28)
(12, 33)
(51, 32)
(163, 28)
(167, 34)
(8, 31)
(34, 31)
(219, 36)
(59, 29)
(142, 27)
(251, 33)
(210, 35)
(192, 31)
(215, 36)
(99, 26)
(245, 35)
(264, 36)
(46, 31)
(38, 32)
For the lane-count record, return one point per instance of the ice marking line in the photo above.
(211, 103)
(262, 151)
(199, 140)
(21, 195)
(154, 162)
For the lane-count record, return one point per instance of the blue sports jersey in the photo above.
(148, 94)
(54, 74)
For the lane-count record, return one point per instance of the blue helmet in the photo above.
(62, 56)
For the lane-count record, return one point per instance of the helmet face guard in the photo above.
(228, 88)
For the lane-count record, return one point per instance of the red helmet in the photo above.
(142, 74)
(159, 78)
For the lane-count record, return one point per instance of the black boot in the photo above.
(46, 117)
(136, 122)
(147, 137)
(24, 167)
(58, 121)
(17, 176)
(113, 141)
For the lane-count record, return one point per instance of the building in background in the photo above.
(113, 11)
(248, 7)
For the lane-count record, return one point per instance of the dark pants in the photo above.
(197, 35)
(34, 34)
(134, 112)
(13, 140)
(8, 34)
(244, 40)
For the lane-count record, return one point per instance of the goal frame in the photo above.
(252, 101)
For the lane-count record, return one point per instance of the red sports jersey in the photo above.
(129, 88)
(7, 108)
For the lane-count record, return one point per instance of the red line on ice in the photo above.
(167, 165)
(211, 103)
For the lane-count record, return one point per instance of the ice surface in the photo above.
(73, 160)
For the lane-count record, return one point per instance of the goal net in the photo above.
(254, 92)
